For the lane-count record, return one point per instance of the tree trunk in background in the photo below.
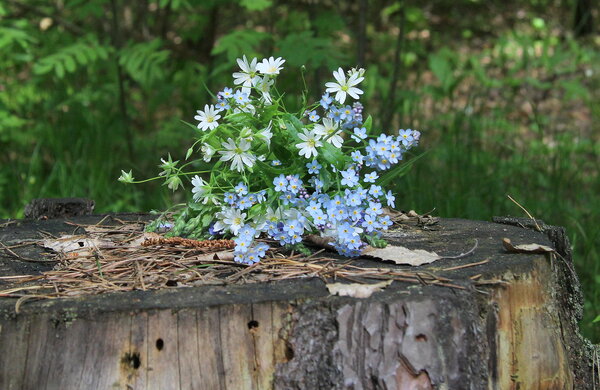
(583, 23)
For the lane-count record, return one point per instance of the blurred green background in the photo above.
(506, 95)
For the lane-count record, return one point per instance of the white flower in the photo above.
(271, 65)
(343, 86)
(200, 188)
(208, 118)
(231, 219)
(238, 154)
(248, 76)
(266, 134)
(264, 85)
(329, 131)
(311, 142)
(207, 152)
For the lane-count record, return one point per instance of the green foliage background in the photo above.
(505, 96)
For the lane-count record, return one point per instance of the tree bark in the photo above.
(512, 327)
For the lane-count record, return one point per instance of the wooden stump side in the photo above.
(233, 347)
(518, 330)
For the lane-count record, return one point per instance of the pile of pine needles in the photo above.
(123, 257)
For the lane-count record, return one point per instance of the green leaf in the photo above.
(375, 242)
(70, 64)
(206, 220)
(597, 319)
(256, 5)
(368, 123)
(334, 156)
(59, 68)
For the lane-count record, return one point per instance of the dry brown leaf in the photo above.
(221, 255)
(356, 290)
(525, 248)
(401, 255)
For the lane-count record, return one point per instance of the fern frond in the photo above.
(70, 58)
(144, 62)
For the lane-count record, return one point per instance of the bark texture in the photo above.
(514, 329)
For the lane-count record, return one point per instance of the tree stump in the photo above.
(511, 325)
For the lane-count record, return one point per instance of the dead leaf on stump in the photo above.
(525, 248)
(401, 255)
(356, 290)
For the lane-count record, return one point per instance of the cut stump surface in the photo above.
(510, 324)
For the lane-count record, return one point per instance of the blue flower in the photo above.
(385, 222)
(317, 183)
(313, 207)
(293, 226)
(288, 198)
(247, 232)
(353, 199)
(313, 116)
(241, 97)
(346, 113)
(356, 213)
(313, 167)
(374, 209)
(337, 201)
(242, 244)
(294, 183)
(371, 177)
(226, 93)
(319, 218)
(391, 199)
(275, 163)
(280, 183)
(345, 231)
(405, 136)
(359, 134)
(244, 203)
(375, 190)
(230, 198)
(326, 101)
(261, 249)
(370, 223)
(362, 192)
(357, 157)
(222, 105)
(340, 213)
(252, 256)
(335, 114)
(349, 177)
(241, 189)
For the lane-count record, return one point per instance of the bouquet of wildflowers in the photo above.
(262, 171)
